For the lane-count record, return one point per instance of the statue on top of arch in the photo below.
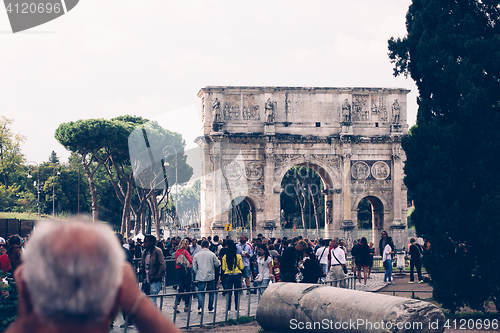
(346, 111)
(396, 112)
(216, 110)
(269, 111)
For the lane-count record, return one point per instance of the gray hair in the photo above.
(73, 270)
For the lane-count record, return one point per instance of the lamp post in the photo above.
(167, 153)
(53, 191)
(37, 184)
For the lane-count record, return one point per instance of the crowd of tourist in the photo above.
(208, 263)
(264, 260)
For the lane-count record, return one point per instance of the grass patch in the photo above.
(240, 320)
(33, 216)
(470, 315)
(464, 313)
(20, 216)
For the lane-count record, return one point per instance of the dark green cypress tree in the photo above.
(452, 52)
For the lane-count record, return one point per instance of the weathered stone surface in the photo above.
(251, 136)
(317, 308)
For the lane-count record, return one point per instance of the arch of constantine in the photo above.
(350, 136)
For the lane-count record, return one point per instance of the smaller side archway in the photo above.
(242, 212)
(377, 217)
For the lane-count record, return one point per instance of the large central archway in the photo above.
(302, 201)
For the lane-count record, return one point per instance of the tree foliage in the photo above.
(364, 214)
(126, 166)
(89, 138)
(11, 158)
(53, 158)
(188, 204)
(302, 199)
(452, 52)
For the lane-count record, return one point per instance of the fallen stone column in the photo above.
(319, 308)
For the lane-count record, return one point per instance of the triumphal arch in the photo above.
(350, 136)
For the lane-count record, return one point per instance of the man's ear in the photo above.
(24, 306)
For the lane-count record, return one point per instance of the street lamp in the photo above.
(53, 194)
(167, 154)
(37, 183)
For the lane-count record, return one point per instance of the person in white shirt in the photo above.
(336, 271)
(386, 259)
(194, 247)
(322, 255)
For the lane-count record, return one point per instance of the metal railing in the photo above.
(412, 292)
(350, 284)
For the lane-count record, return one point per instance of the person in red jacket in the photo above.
(183, 272)
(12, 259)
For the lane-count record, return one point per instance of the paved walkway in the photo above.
(248, 306)
(375, 282)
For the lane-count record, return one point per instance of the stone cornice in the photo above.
(270, 89)
(291, 138)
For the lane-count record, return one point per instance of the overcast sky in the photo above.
(148, 58)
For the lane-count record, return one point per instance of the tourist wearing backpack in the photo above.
(215, 247)
(183, 264)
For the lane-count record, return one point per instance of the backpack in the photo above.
(182, 261)
(420, 251)
(213, 247)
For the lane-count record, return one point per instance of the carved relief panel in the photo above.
(253, 170)
(359, 108)
(380, 170)
(232, 170)
(370, 170)
(329, 212)
(231, 108)
(378, 107)
(251, 109)
(360, 170)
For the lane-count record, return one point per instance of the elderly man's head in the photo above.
(73, 271)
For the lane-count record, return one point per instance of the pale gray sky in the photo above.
(150, 57)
